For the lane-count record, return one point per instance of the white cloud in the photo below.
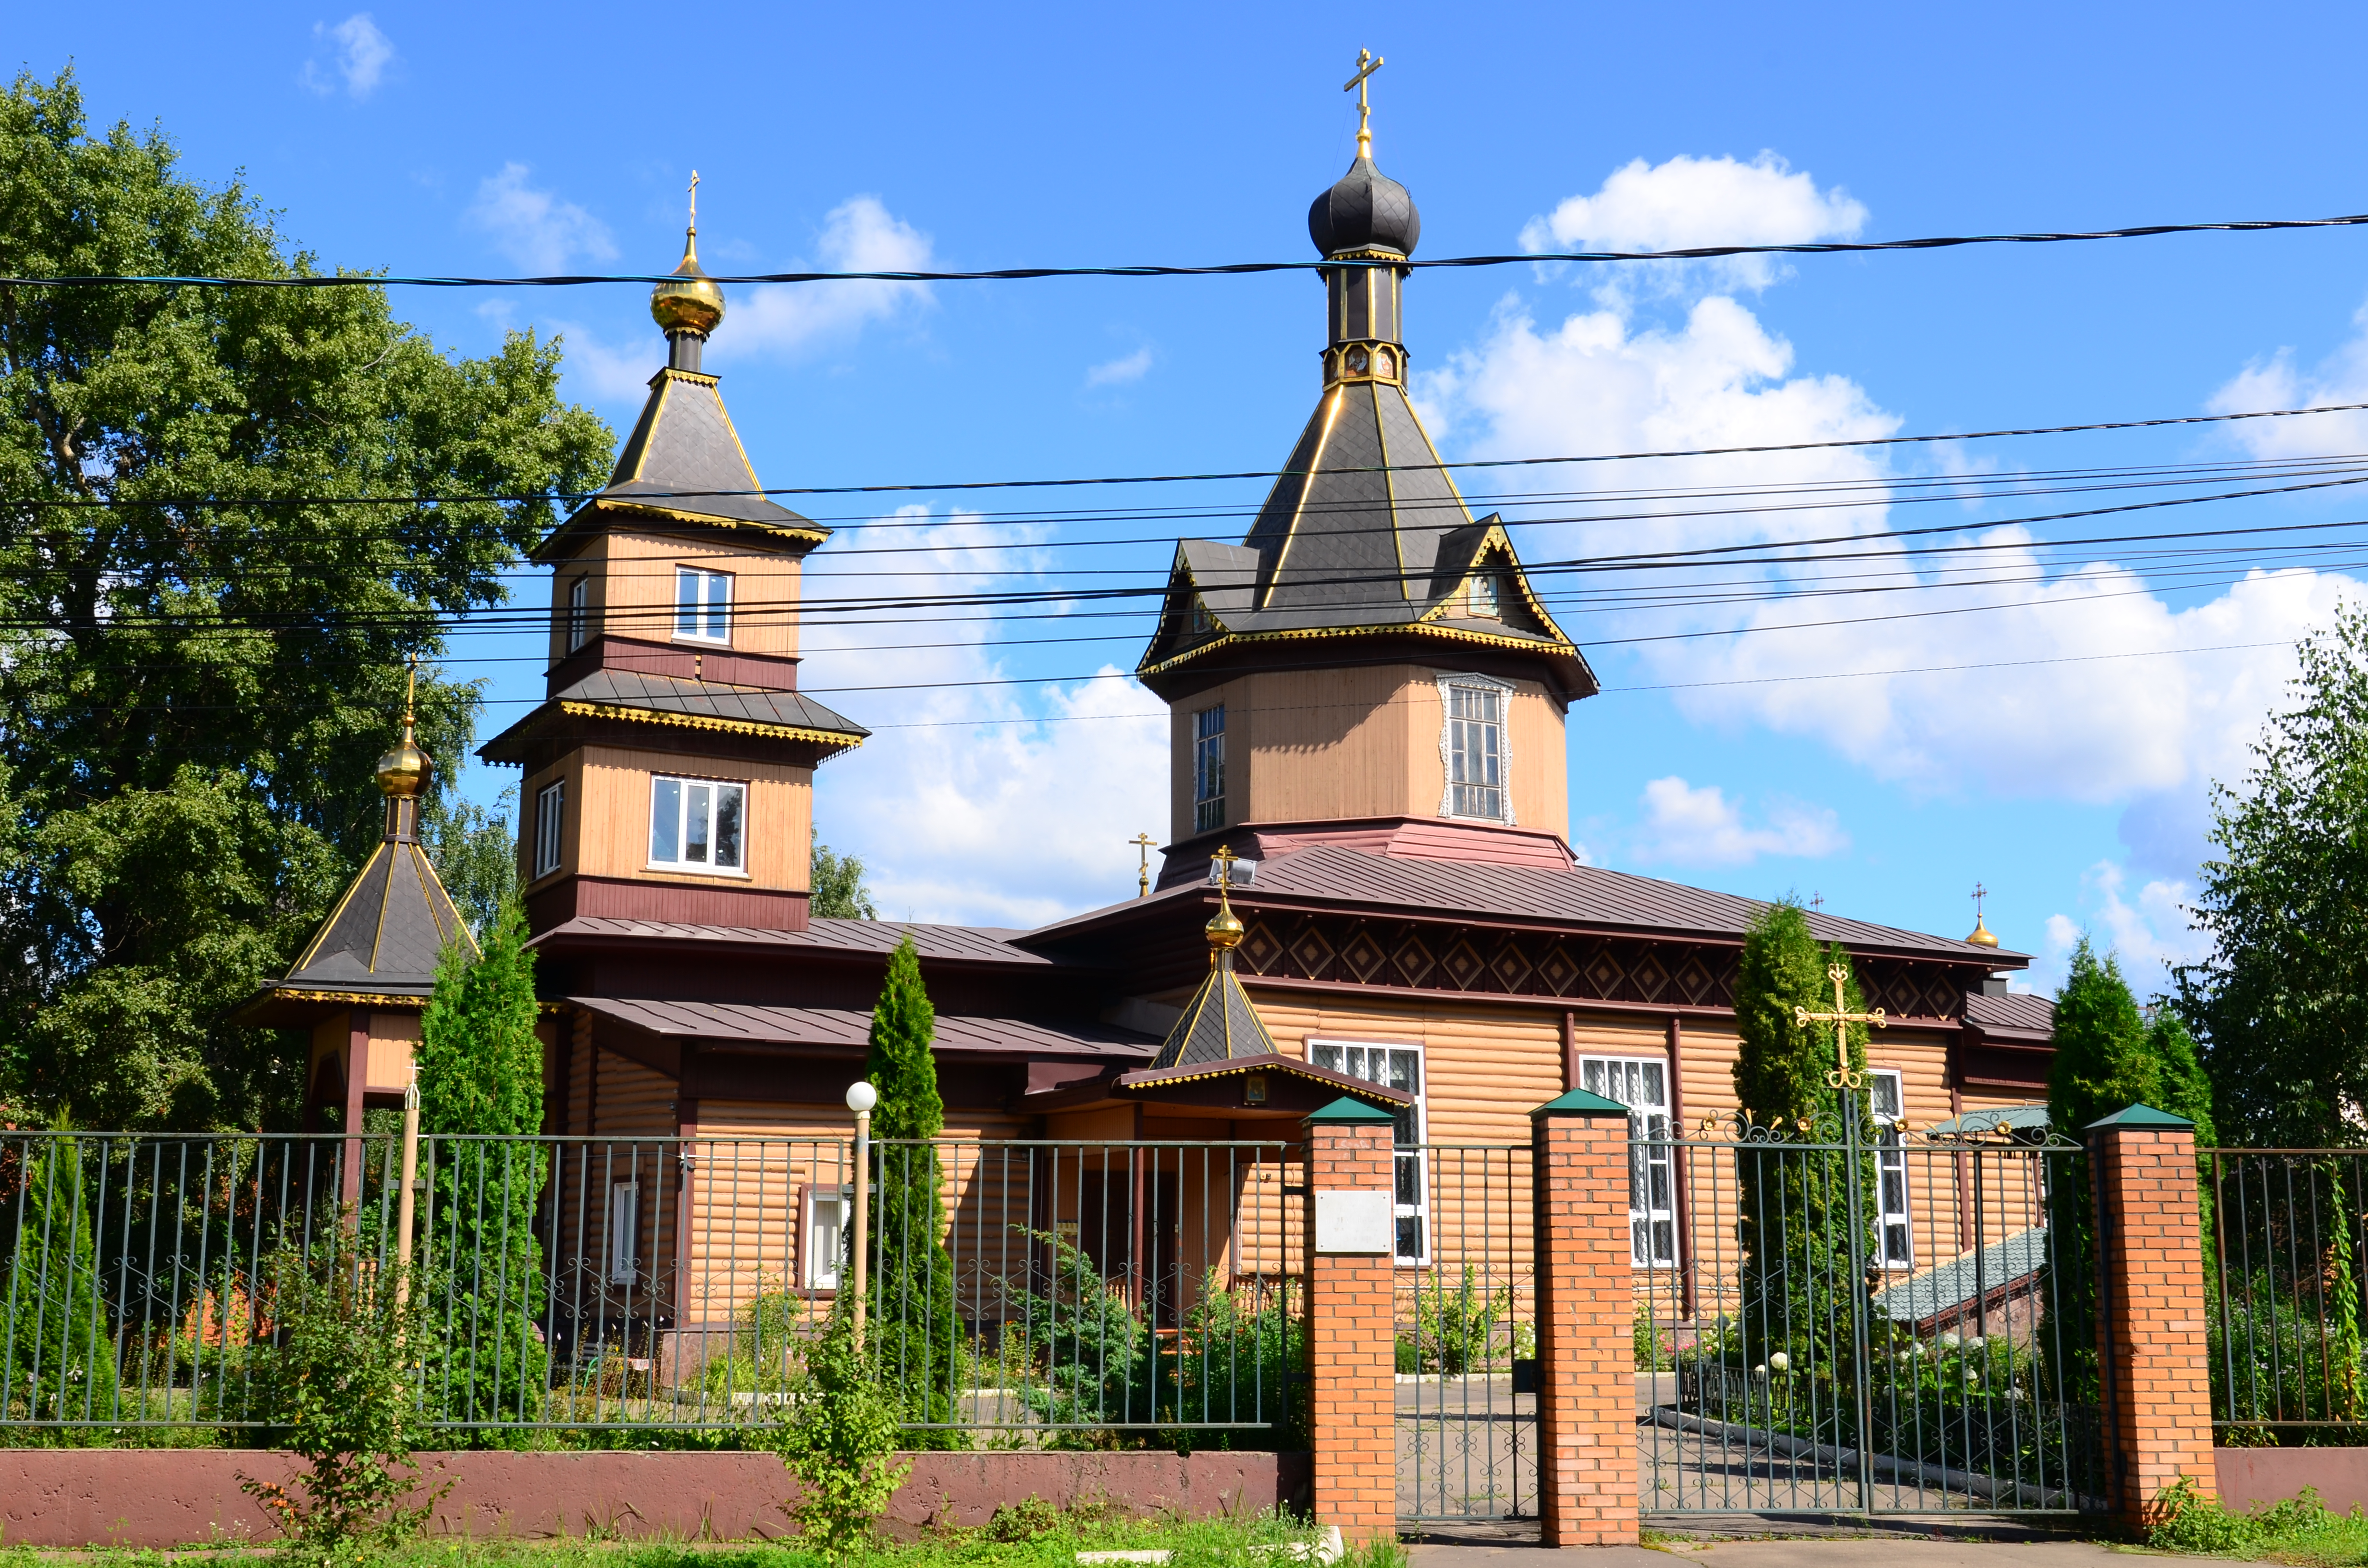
(1701, 827)
(1689, 202)
(535, 228)
(997, 804)
(1120, 371)
(857, 235)
(2151, 931)
(358, 56)
(2273, 382)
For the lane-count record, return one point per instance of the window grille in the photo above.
(1208, 768)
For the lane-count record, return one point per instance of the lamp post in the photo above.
(860, 1097)
(405, 1200)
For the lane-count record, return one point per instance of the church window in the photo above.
(1471, 745)
(1894, 1230)
(703, 604)
(825, 1243)
(580, 613)
(1642, 1084)
(1395, 1067)
(697, 824)
(1485, 597)
(550, 809)
(1208, 768)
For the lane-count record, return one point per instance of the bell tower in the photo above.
(669, 772)
(1370, 666)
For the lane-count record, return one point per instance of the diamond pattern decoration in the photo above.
(1942, 995)
(1510, 966)
(1693, 979)
(1259, 950)
(1311, 953)
(1463, 965)
(1604, 973)
(1651, 975)
(1558, 970)
(1363, 955)
(1414, 961)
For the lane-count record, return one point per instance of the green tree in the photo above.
(2280, 1005)
(837, 1435)
(1793, 1201)
(474, 852)
(61, 1362)
(201, 641)
(917, 1333)
(839, 892)
(481, 1072)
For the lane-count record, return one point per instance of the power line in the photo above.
(1225, 270)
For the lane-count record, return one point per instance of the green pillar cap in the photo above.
(1348, 1112)
(2142, 1116)
(1581, 1102)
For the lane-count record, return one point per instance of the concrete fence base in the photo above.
(165, 1497)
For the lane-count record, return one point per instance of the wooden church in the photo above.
(1369, 705)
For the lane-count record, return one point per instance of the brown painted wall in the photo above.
(606, 829)
(165, 1497)
(633, 593)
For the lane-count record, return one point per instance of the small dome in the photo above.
(1366, 210)
(1982, 936)
(403, 771)
(689, 300)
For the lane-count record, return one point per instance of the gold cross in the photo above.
(410, 690)
(1843, 1076)
(694, 202)
(1225, 858)
(1980, 893)
(1367, 63)
(1142, 841)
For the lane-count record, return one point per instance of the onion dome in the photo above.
(1983, 936)
(1365, 210)
(403, 773)
(1224, 929)
(689, 300)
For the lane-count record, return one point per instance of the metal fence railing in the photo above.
(2285, 1243)
(1015, 1288)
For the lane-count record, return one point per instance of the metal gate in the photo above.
(1466, 1341)
(1852, 1317)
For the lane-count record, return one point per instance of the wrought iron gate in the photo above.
(1853, 1317)
(1466, 1400)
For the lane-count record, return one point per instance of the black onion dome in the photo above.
(1366, 210)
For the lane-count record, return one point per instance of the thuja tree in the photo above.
(60, 1362)
(481, 1093)
(917, 1333)
(1792, 1194)
(2109, 1056)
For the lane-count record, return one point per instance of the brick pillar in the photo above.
(1586, 1312)
(1351, 1326)
(2152, 1358)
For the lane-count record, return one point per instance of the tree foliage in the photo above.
(480, 1072)
(839, 891)
(916, 1330)
(2280, 1005)
(201, 657)
(1793, 1202)
(60, 1362)
(838, 1435)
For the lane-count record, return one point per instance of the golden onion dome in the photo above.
(1981, 937)
(689, 300)
(403, 771)
(1226, 927)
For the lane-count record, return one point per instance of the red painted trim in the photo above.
(620, 898)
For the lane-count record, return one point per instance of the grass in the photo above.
(2301, 1531)
(1026, 1535)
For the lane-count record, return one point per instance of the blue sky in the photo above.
(501, 141)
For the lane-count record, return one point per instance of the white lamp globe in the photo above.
(861, 1096)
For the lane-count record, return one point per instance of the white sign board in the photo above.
(1352, 1222)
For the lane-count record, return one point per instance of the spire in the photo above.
(1367, 63)
(1218, 1024)
(405, 771)
(688, 305)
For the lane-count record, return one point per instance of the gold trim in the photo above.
(374, 998)
(1330, 415)
(1419, 627)
(432, 882)
(385, 897)
(329, 924)
(1390, 496)
(1497, 535)
(703, 721)
(710, 519)
(1288, 1064)
(657, 414)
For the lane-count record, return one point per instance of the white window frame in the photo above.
(623, 1238)
(1410, 1188)
(579, 612)
(1448, 687)
(702, 606)
(550, 819)
(1485, 598)
(687, 792)
(1895, 1218)
(1208, 768)
(818, 1263)
(1652, 1240)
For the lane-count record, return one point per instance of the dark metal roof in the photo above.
(1586, 896)
(988, 944)
(682, 453)
(850, 1029)
(1217, 1025)
(2017, 1011)
(634, 696)
(1954, 1284)
(386, 934)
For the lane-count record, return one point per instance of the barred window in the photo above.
(1208, 768)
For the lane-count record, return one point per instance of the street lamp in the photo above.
(860, 1097)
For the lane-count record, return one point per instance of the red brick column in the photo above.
(1351, 1327)
(2153, 1360)
(1587, 1308)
